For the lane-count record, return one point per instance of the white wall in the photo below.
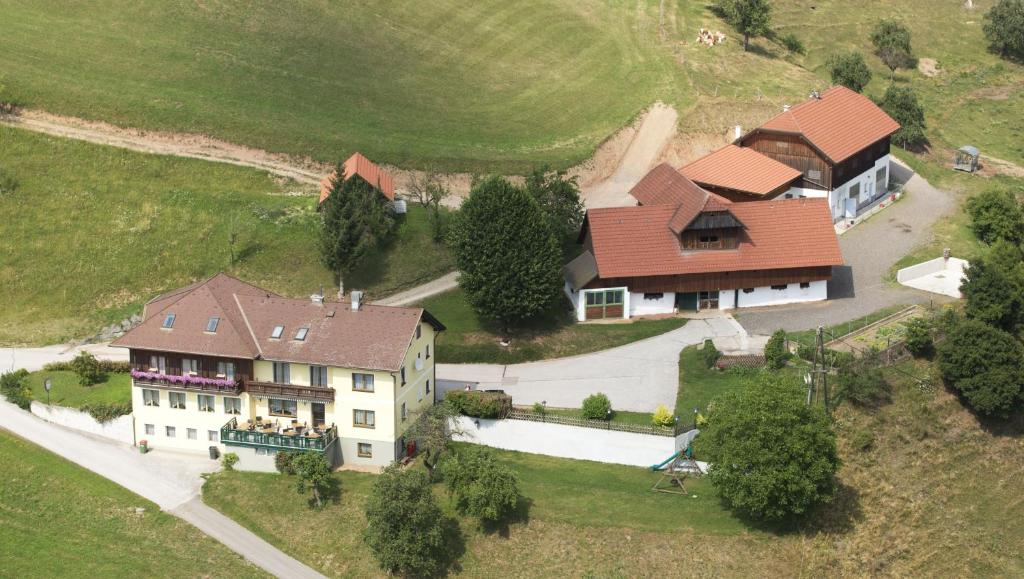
(726, 299)
(640, 306)
(766, 296)
(119, 429)
(577, 303)
(569, 441)
(804, 192)
(868, 188)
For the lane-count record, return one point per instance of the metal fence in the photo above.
(530, 416)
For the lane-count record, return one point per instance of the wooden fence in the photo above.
(530, 416)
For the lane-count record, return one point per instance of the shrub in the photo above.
(404, 525)
(284, 462)
(229, 460)
(832, 357)
(919, 337)
(14, 387)
(106, 366)
(88, 369)
(849, 70)
(793, 44)
(662, 416)
(863, 439)
(1004, 29)
(7, 183)
(597, 407)
(996, 214)
(710, 353)
(775, 353)
(480, 486)
(862, 383)
(105, 412)
(539, 408)
(479, 403)
(983, 364)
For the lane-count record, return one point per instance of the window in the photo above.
(805, 285)
(318, 375)
(279, 407)
(189, 366)
(419, 331)
(748, 290)
(789, 196)
(206, 403)
(168, 321)
(428, 386)
(854, 191)
(595, 298)
(780, 287)
(613, 297)
(365, 450)
(232, 405)
(362, 382)
(226, 369)
(814, 175)
(404, 415)
(282, 372)
(158, 364)
(191, 434)
(428, 351)
(177, 400)
(151, 397)
(364, 418)
(709, 239)
(655, 296)
(150, 429)
(170, 431)
(403, 375)
(277, 332)
(301, 334)
(881, 180)
(212, 323)
(212, 436)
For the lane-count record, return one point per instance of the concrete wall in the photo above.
(569, 441)
(928, 268)
(641, 306)
(250, 459)
(119, 429)
(766, 296)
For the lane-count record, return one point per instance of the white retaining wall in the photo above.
(119, 429)
(570, 441)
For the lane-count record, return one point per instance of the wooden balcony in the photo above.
(313, 393)
(230, 435)
(217, 386)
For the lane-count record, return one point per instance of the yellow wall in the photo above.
(162, 416)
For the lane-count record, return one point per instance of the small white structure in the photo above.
(942, 275)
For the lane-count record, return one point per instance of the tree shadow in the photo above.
(836, 517)
(329, 495)
(249, 250)
(759, 50)
(453, 548)
(503, 527)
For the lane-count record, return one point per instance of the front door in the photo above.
(709, 300)
(686, 302)
(318, 414)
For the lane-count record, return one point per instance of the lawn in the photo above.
(699, 385)
(482, 86)
(554, 334)
(66, 391)
(92, 232)
(60, 520)
(618, 416)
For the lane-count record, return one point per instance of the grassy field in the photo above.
(65, 390)
(60, 520)
(92, 232)
(487, 86)
(933, 495)
(699, 385)
(469, 339)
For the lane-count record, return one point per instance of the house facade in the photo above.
(687, 249)
(223, 363)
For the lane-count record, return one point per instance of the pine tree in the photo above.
(357, 218)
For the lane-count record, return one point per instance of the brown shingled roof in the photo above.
(357, 164)
(663, 185)
(740, 169)
(778, 234)
(840, 123)
(372, 338)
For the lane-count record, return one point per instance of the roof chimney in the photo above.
(317, 299)
(737, 132)
(815, 94)
(357, 297)
(785, 108)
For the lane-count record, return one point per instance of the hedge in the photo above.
(105, 366)
(479, 403)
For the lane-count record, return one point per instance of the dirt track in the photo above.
(617, 164)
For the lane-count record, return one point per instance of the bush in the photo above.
(710, 353)
(7, 183)
(775, 353)
(793, 44)
(597, 407)
(404, 525)
(479, 403)
(1004, 29)
(284, 462)
(229, 460)
(480, 486)
(106, 366)
(105, 412)
(662, 416)
(996, 214)
(14, 387)
(88, 369)
(919, 337)
(863, 439)
(983, 364)
(539, 408)
(833, 358)
(863, 383)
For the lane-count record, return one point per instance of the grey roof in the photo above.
(973, 151)
(580, 271)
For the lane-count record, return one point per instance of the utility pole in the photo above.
(817, 380)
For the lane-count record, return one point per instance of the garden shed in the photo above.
(966, 159)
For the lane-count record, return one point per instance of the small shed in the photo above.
(966, 159)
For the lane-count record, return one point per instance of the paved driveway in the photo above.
(637, 376)
(870, 250)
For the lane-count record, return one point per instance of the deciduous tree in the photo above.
(479, 485)
(984, 364)
(404, 525)
(314, 474)
(892, 45)
(993, 287)
(559, 198)
(849, 70)
(433, 430)
(1004, 28)
(430, 190)
(996, 214)
(900, 102)
(748, 17)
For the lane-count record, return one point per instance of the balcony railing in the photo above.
(230, 435)
(315, 393)
(158, 380)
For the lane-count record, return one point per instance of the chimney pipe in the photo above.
(357, 297)
(737, 132)
(785, 108)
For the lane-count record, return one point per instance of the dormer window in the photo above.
(277, 332)
(301, 334)
(212, 323)
(168, 321)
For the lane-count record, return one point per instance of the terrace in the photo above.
(272, 437)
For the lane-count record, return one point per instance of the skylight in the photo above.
(169, 321)
(278, 332)
(301, 334)
(211, 324)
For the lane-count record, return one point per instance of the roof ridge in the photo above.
(248, 326)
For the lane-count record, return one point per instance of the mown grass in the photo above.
(60, 520)
(92, 232)
(66, 391)
(553, 334)
(486, 86)
(699, 385)
(617, 417)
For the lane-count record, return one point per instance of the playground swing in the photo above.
(675, 470)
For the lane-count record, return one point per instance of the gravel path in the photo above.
(431, 288)
(870, 250)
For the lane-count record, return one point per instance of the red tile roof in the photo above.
(357, 164)
(663, 185)
(740, 169)
(778, 234)
(840, 123)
